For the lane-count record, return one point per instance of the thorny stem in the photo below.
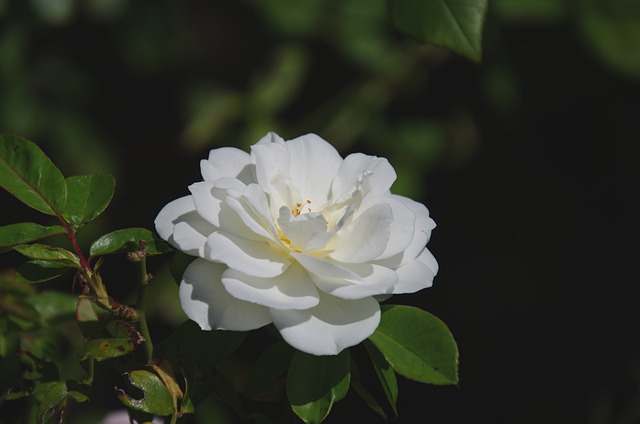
(139, 257)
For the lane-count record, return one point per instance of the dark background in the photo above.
(527, 162)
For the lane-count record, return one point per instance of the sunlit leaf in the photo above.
(28, 174)
(48, 253)
(38, 271)
(155, 398)
(127, 240)
(314, 383)
(417, 345)
(25, 232)
(87, 197)
(267, 370)
(455, 24)
(386, 375)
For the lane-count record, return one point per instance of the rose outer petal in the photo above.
(205, 301)
(330, 327)
(294, 289)
(179, 224)
(416, 275)
(227, 162)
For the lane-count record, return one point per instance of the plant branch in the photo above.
(139, 257)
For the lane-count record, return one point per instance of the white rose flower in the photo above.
(295, 235)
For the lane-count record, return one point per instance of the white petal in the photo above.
(255, 258)
(307, 232)
(373, 174)
(294, 289)
(180, 225)
(401, 230)
(271, 160)
(205, 301)
(325, 268)
(365, 238)
(253, 210)
(374, 280)
(208, 196)
(422, 232)
(314, 163)
(330, 327)
(416, 275)
(227, 162)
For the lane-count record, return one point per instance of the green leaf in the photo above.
(106, 348)
(25, 232)
(611, 29)
(267, 370)
(55, 397)
(314, 383)
(28, 174)
(87, 197)
(359, 388)
(127, 240)
(38, 271)
(155, 398)
(455, 24)
(189, 342)
(179, 264)
(48, 253)
(417, 345)
(386, 375)
(54, 305)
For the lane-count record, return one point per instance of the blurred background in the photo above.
(527, 161)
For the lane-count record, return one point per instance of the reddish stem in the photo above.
(74, 241)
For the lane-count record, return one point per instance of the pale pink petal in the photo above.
(330, 327)
(294, 289)
(205, 301)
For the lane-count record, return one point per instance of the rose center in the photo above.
(300, 208)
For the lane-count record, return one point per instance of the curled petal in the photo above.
(227, 162)
(365, 238)
(253, 210)
(306, 232)
(373, 175)
(374, 280)
(205, 301)
(416, 275)
(255, 258)
(180, 225)
(330, 327)
(294, 289)
(314, 163)
(325, 268)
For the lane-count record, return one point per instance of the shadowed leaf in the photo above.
(28, 174)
